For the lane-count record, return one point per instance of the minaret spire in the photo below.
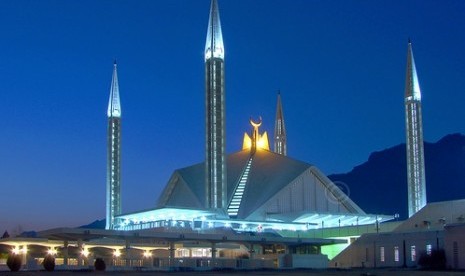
(414, 143)
(114, 105)
(113, 206)
(214, 45)
(215, 163)
(280, 144)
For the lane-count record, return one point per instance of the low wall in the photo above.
(303, 261)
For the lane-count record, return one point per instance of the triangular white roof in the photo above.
(277, 187)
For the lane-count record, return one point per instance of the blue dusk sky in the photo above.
(340, 66)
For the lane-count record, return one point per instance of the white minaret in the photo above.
(215, 161)
(280, 144)
(414, 129)
(113, 207)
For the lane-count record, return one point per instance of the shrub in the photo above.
(14, 262)
(100, 264)
(437, 260)
(49, 263)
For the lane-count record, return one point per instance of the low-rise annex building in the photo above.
(437, 226)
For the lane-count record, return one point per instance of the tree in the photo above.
(49, 263)
(436, 260)
(5, 235)
(100, 264)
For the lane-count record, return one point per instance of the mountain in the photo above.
(98, 224)
(379, 186)
(28, 234)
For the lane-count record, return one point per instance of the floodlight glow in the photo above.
(85, 252)
(117, 253)
(147, 254)
(16, 250)
(227, 224)
(210, 224)
(52, 251)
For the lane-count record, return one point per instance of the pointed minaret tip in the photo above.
(214, 47)
(279, 106)
(412, 87)
(114, 105)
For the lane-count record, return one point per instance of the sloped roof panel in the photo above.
(269, 175)
(270, 172)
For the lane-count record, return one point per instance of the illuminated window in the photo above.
(183, 252)
(413, 253)
(381, 253)
(429, 247)
(396, 253)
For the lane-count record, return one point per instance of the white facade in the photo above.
(389, 249)
(454, 245)
(437, 226)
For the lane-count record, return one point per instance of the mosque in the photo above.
(253, 190)
(255, 208)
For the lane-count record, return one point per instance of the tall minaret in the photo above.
(414, 129)
(215, 163)
(114, 153)
(280, 145)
